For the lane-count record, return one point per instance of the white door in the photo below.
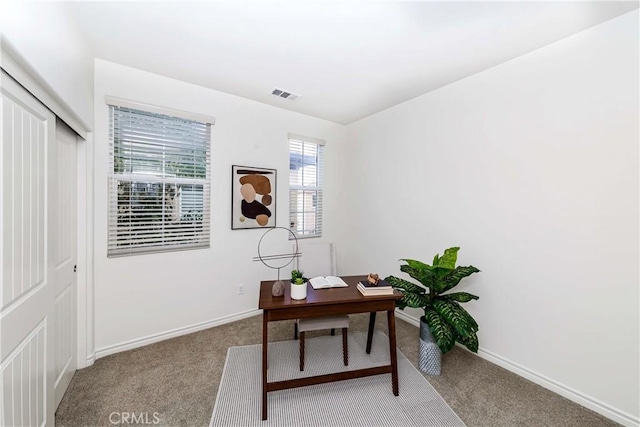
(63, 220)
(30, 229)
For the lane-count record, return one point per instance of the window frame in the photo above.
(194, 233)
(318, 190)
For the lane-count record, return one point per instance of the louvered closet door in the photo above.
(31, 228)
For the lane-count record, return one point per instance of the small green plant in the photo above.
(297, 277)
(447, 320)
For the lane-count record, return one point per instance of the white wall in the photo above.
(532, 168)
(142, 296)
(48, 39)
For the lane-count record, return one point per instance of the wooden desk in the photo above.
(326, 302)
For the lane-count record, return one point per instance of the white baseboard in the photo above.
(150, 339)
(576, 396)
(91, 359)
(409, 319)
(580, 398)
(86, 362)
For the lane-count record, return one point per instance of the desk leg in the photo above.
(372, 322)
(264, 364)
(391, 323)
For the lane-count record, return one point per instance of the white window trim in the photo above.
(309, 139)
(120, 102)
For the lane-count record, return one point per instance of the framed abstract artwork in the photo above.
(253, 197)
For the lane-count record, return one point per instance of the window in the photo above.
(305, 185)
(159, 186)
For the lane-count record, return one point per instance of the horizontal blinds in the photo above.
(155, 144)
(159, 187)
(305, 187)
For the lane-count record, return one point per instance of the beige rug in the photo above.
(359, 402)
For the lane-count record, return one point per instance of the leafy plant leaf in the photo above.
(436, 259)
(466, 314)
(471, 342)
(441, 331)
(451, 314)
(418, 265)
(401, 304)
(460, 297)
(404, 285)
(439, 273)
(413, 295)
(296, 274)
(455, 276)
(448, 258)
(413, 300)
(423, 276)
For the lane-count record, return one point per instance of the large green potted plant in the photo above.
(444, 321)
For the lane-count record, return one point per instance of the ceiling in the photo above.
(347, 60)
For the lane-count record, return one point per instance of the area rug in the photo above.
(363, 402)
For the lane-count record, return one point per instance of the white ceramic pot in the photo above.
(299, 291)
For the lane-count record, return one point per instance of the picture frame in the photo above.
(253, 197)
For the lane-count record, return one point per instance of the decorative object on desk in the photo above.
(320, 282)
(253, 197)
(446, 320)
(267, 243)
(373, 278)
(297, 275)
(381, 287)
(298, 285)
(277, 290)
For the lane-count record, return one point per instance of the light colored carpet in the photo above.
(179, 379)
(363, 402)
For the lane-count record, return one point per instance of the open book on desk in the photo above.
(320, 282)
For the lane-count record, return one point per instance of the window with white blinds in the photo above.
(159, 186)
(305, 186)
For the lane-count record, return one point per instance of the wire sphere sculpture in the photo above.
(277, 261)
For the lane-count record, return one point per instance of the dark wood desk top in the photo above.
(318, 297)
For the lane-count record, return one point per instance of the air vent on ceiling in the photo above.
(285, 94)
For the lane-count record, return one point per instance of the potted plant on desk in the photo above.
(298, 285)
(444, 321)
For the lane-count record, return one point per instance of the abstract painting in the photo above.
(253, 197)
